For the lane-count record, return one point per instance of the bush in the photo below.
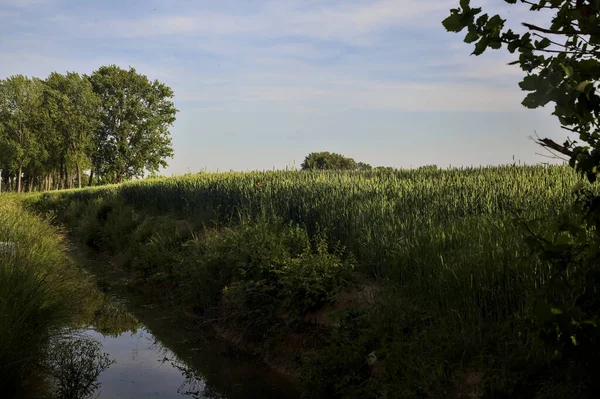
(261, 270)
(280, 272)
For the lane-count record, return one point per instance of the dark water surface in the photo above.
(157, 354)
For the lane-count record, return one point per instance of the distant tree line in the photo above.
(326, 160)
(113, 124)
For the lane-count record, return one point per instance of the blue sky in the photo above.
(261, 83)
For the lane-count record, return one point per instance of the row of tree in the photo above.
(113, 124)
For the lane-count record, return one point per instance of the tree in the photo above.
(331, 161)
(561, 65)
(363, 166)
(19, 106)
(73, 109)
(133, 135)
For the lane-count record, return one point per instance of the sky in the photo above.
(259, 84)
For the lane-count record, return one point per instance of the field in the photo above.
(445, 246)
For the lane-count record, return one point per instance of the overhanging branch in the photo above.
(558, 32)
(551, 144)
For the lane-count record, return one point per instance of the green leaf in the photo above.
(464, 4)
(535, 100)
(529, 83)
(542, 44)
(471, 37)
(495, 44)
(495, 24)
(564, 238)
(480, 46)
(568, 70)
(482, 20)
(514, 45)
(454, 23)
(589, 66)
(582, 85)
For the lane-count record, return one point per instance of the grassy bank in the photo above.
(41, 292)
(442, 244)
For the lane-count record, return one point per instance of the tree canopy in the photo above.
(133, 135)
(114, 123)
(326, 160)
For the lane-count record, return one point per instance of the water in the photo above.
(194, 365)
(144, 368)
(157, 354)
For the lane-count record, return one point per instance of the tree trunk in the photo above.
(62, 175)
(78, 174)
(19, 179)
(91, 177)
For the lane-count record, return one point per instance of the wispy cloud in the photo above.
(345, 21)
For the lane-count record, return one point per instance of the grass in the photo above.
(39, 291)
(444, 244)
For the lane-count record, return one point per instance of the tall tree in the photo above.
(73, 108)
(133, 135)
(19, 105)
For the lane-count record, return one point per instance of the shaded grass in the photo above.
(40, 292)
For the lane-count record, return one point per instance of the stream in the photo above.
(156, 354)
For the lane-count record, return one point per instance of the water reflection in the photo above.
(73, 366)
(144, 368)
(111, 355)
(112, 319)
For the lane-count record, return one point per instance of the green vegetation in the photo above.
(464, 282)
(113, 123)
(40, 292)
(562, 65)
(44, 296)
(445, 246)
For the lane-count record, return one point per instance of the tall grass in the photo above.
(38, 292)
(413, 226)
